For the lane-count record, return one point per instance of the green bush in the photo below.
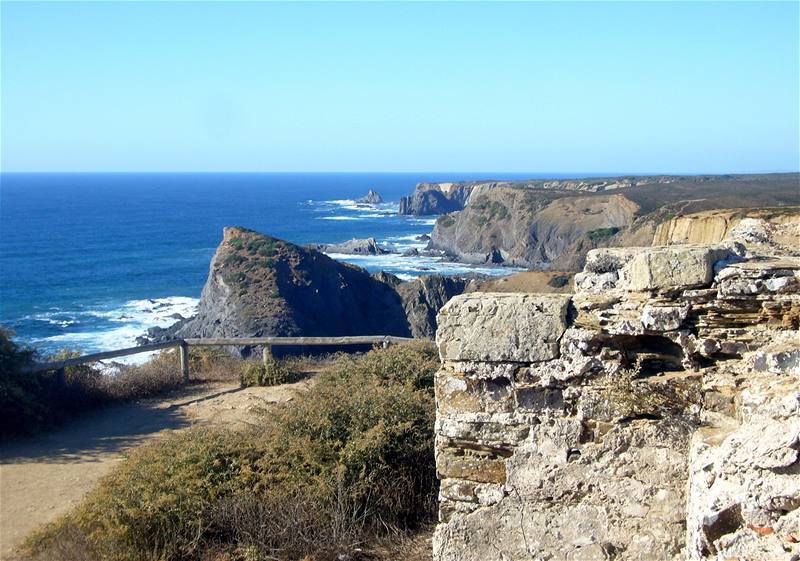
(347, 463)
(559, 281)
(266, 372)
(602, 233)
(30, 402)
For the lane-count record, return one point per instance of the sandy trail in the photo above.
(42, 477)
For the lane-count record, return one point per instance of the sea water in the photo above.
(91, 261)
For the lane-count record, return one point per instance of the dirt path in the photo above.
(42, 477)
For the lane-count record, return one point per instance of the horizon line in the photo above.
(533, 174)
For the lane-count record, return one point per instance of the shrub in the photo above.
(347, 463)
(30, 402)
(558, 281)
(602, 233)
(160, 374)
(267, 372)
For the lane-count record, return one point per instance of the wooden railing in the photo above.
(184, 344)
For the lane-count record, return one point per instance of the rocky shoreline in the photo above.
(539, 225)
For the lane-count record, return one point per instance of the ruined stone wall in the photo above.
(653, 415)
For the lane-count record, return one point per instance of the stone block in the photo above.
(497, 327)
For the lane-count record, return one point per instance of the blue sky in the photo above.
(523, 87)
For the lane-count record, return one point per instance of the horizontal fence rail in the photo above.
(184, 344)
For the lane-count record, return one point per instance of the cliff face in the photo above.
(436, 198)
(261, 286)
(529, 227)
(653, 415)
(423, 298)
(554, 227)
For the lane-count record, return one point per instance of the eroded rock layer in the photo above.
(652, 415)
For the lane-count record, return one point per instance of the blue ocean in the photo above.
(90, 261)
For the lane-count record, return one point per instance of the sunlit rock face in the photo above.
(654, 414)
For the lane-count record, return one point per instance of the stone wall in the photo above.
(655, 414)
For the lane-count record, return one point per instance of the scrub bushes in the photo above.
(347, 464)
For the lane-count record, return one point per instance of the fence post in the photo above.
(184, 348)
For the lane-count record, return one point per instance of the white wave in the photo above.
(338, 218)
(411, 267)
(134, 318)
(374, 215)
(423, 221)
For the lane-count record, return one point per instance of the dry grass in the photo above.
(346, 469)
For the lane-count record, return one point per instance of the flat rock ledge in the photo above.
(652, 415)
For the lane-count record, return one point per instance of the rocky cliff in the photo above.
(262, 286)
(440, 198)
(423, 298)
(531, 227)
(554, 227)
(652, 415)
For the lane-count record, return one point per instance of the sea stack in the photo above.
(371, 198)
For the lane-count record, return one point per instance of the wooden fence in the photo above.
(184, 344)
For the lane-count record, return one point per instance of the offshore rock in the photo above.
(368, 246)
(371, 198)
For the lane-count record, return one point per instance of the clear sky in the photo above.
(524, 87)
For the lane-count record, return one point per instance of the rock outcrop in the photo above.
(371, 198)
(261, 286)
(652, 415)
(435, 198)
(368, 246)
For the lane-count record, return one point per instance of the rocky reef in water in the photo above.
(367, 246)
(653, 414)
(260, 286)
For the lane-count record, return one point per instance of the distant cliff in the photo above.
(553, 227)
(261, 286)
(441, 198)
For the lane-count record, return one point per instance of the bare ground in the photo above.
(42, 477)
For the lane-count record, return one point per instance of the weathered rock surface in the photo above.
(654, 415)
(367, 246)
(659, 268)
(371, 198)
(474, 327)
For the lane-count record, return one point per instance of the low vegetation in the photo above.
(347, 465)
(31, 402)
(602, 234)
(558, 281)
